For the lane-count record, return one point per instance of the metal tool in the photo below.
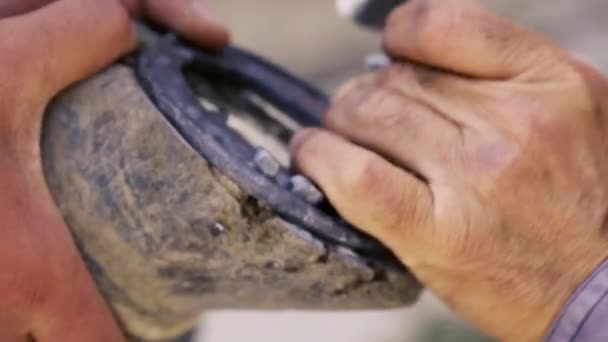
(368, 13)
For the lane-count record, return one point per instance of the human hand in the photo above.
(191, 18)
(480, 158)
(46, 293)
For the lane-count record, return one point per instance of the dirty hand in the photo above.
(46, 293)
(480, 158)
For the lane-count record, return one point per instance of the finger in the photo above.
(59, 44)
(368, 191)
(392, 114)
(189, 17)
(464, 38)
(10, 8)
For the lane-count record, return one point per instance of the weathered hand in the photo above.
(191, 18)
(46, 293)
(480, 158)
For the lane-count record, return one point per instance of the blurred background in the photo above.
(307, 37)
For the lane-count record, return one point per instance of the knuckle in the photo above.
(397, 75)
(393, 211)
(381, 108)
(365, 178)
(493, 157)
(547, 122)
(554, 117)
(309, 147)
(346, 89)
(544, 125)
(388, 204)
(343, 101)
(414, 77)
(583, 83)
(375, 101)
(418, 26)
(352, 88)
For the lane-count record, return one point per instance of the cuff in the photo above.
(585, 316)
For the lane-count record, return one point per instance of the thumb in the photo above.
(65, 42)
(462, 37)
(10, 8)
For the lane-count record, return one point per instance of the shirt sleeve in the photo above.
(585, 316)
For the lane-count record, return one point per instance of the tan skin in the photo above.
(479, 158)
(47, 294)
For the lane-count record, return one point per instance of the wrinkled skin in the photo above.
(46, 292)
(480, 158)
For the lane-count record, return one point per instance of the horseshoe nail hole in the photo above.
(272, 265)
(323, 258)
(339, 292)
(217, 229)
(292, 268)
(380, 276)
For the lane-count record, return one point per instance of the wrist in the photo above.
(524, 300)
(586, 282)
(583, 315)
